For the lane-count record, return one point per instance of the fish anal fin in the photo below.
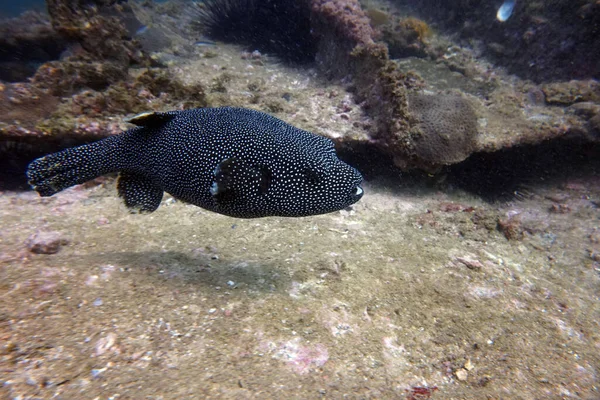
(151, 119)
(139, 193)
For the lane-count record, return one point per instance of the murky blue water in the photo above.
(14, 8)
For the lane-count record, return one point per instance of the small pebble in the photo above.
(91, 280)
(98, 302)
(470, 263)
(105, 343)
(469, 365)
(46, 242)
(462, 374)
(97, 372)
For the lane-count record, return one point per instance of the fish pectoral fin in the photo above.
(237, 181)
(139, 193)
(152, 119)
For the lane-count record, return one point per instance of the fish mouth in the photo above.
(357, 193)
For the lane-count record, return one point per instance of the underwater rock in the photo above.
(345, 18)
(98, 49)
(586, 109)
(595, 126)
(63, 78)
(511, 227)
(547, 41)
(33, 120)
(160, 81)
(24, 104)
(96, 27)
(345, 45)
(445, 129)
(46, 242)
(567, 93)
(153, 89)
(90, 113)
(25, 42)
(407, 37)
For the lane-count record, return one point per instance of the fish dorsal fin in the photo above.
(151, 118)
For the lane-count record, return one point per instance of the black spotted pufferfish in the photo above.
(233, 161)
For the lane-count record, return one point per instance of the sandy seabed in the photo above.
(409, 291)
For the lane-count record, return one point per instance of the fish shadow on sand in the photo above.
(200, 268)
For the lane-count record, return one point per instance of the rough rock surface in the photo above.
(26, 41)
(63, 78)
(102, 87)
(95, 27)
(46, 242)
(542, 40)
(509, 112)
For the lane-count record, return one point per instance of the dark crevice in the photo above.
(26, 42)
(16, 154)
(287, 34)
(508, 173)
(499, 176)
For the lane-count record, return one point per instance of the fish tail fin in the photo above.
(58, 171)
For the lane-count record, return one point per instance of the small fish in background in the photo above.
(505, 10)
(152, 38)
(205, 43)
(142, 29)
(233, 161)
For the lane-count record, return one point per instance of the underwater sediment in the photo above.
(477, 279)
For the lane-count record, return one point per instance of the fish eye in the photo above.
(357, 191)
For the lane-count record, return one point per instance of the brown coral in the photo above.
(345, 17)
(420, 27)
(446, 128)
(407, 37)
